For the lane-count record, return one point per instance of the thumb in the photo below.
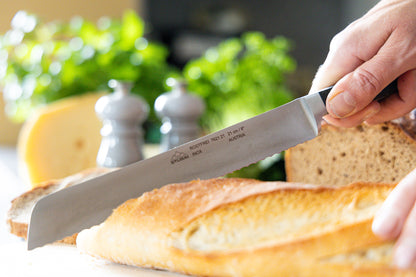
(357, 89)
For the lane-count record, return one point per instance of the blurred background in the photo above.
(188, 27)
(241, 57)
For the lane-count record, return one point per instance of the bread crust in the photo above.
(145, 231)
(18, 222)
(18, 215)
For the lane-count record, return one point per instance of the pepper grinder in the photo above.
(122, 115)
(179, 112)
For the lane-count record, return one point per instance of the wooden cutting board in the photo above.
(64, 260)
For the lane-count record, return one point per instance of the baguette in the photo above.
(244, 227)
(339, 156)
(18, 215)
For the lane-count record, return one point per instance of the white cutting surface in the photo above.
(50, 260)
(63, 260)
(10, 187)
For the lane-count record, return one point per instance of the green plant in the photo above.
(241, 78)
(43, 62)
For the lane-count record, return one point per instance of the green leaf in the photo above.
(132, 28)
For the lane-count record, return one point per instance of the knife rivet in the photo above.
(179, 111)
(122, 114)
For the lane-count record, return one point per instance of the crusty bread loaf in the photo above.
(18, 215)
(339, 156)
(243, 227)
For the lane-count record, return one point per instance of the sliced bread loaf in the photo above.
(339, 156)
(18, 215)
(242, 227)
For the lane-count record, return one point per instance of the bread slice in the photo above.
(18, 215)
(339, 156)
(244, 227)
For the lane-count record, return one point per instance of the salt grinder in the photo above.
(122, 114)
(179, 112)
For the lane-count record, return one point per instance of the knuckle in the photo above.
(368, 81)
(345, 37)
(337, 41)
(334, 41)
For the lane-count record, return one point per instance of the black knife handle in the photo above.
(386, 92)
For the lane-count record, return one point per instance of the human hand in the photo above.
(397, 219)
(364, 58)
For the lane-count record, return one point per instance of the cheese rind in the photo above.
(60, 139)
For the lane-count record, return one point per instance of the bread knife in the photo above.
(73, 209)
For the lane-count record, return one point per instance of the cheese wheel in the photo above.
(60, 139)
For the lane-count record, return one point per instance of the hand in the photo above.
(397, 219)
(364, 58)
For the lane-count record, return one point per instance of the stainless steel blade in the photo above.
(69, 211)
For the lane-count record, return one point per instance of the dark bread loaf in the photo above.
(339, 156)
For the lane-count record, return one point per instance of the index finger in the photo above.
(347, 51)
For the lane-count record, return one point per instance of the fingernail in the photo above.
(375, 108)
(342, 104)
(404, 255)
(384, 225)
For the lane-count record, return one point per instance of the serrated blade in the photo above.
(68, 211)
